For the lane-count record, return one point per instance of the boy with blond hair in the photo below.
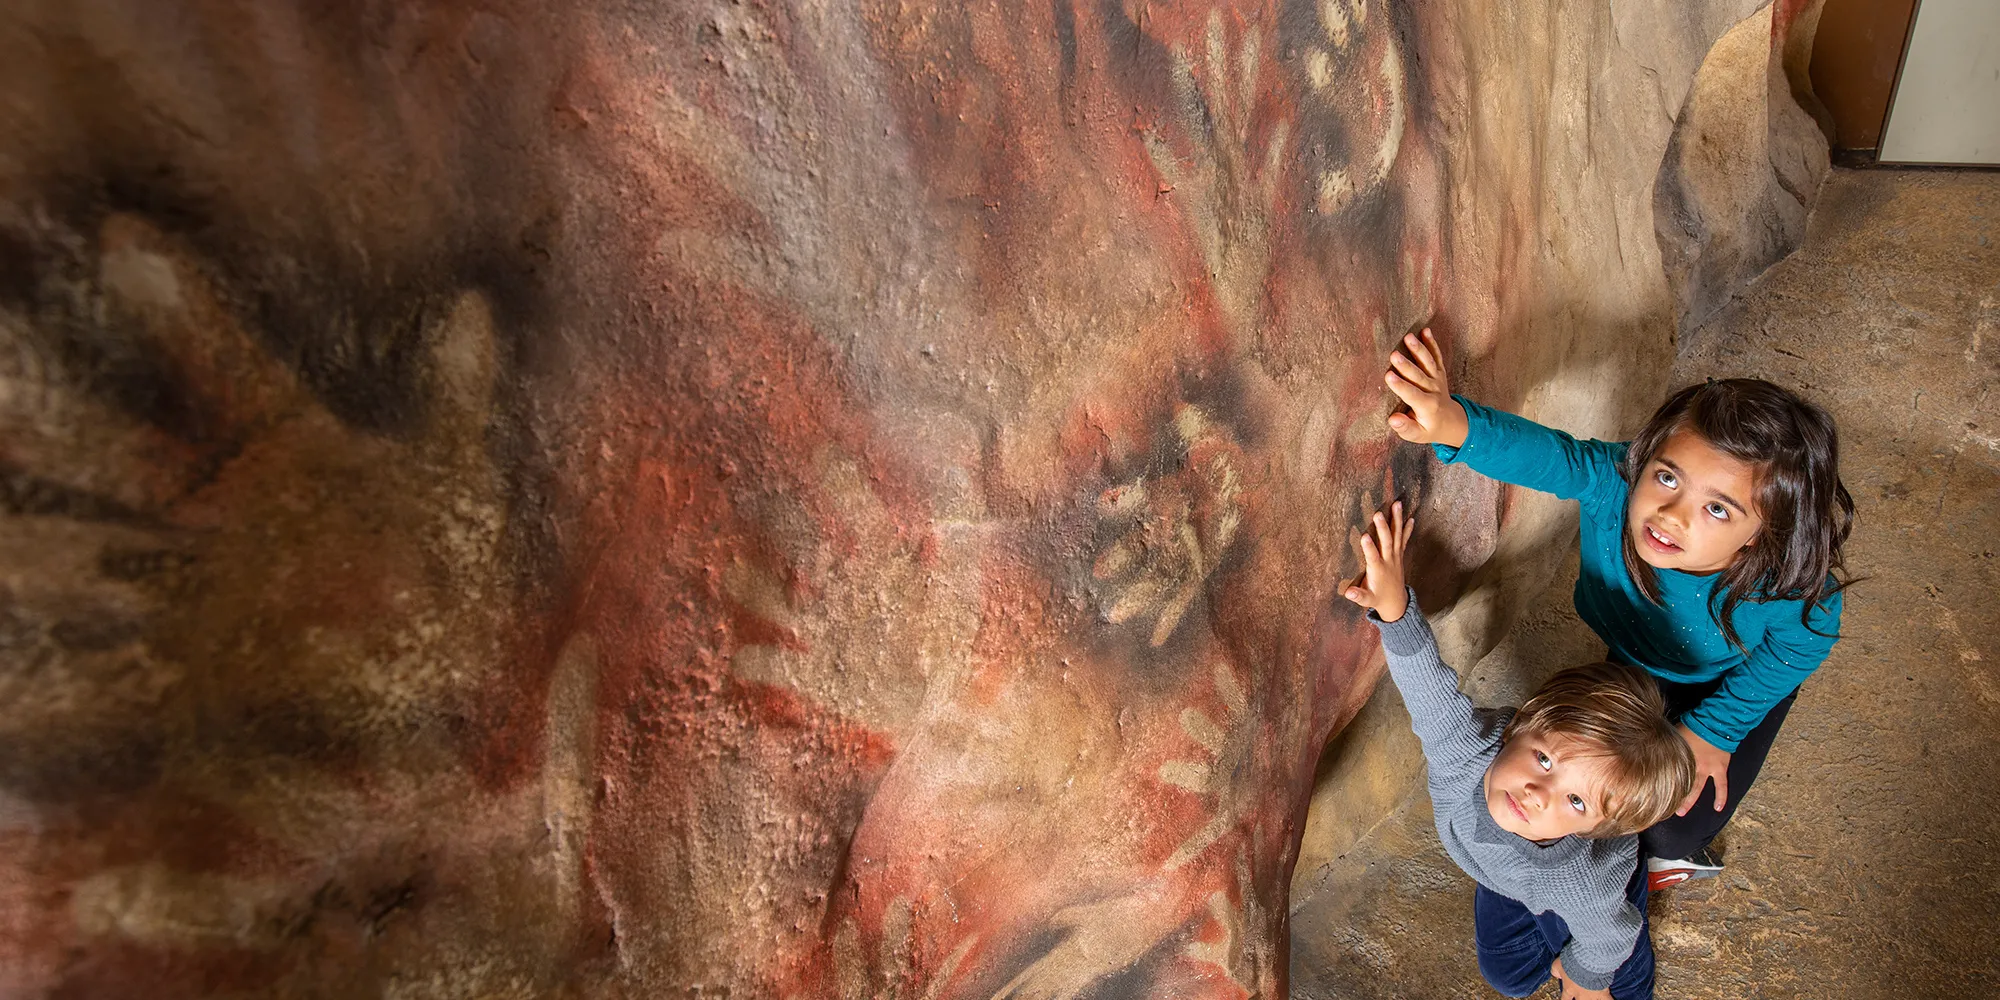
(1541, 806)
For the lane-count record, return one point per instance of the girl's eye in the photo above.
(1543, 759)
(1576, 801)
(1666, 479)
(1717, 511)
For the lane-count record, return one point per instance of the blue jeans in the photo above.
(1516, 947)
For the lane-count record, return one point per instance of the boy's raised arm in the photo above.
(1441, 716)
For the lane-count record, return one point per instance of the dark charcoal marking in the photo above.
(134, 565)
(1143, 65)
(387, 902)
(79, 763)
(20, 266)
(24, 494)
(294, 728)
(157, 192)
(1065, 14)
(51, 280)
(20, 632)
(95, 634)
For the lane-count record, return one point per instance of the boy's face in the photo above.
(1542, 788)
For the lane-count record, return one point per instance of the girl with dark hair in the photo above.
(1710, 550)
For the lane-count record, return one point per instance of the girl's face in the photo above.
(1542, 788)
(1691, 509)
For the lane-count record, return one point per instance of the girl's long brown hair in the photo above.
(1806, 509)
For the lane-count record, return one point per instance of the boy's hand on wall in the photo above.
(1572, 991)
(1416, 375)
(1380, 585)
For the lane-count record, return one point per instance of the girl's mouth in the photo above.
(1660, 543)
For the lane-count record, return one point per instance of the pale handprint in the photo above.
(895, 971)
(1173, 529)
(1363, 89)
(266, 585)
(1417, 376)
(1230, 194)
(207, 496)
(1246, 953)
(234, 597)
(1226, 745)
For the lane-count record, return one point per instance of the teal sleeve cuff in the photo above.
(1474, 425)
(1715, 739)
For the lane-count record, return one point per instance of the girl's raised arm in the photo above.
(1493, 443)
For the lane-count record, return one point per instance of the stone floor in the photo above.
(1862, 865)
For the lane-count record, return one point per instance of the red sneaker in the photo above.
(1663, 872)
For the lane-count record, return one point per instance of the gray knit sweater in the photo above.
(1582, 880)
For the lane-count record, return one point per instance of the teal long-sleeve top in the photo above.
(1678, 639)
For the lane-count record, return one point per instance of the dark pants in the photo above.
(1681, 836)
(1516, 947)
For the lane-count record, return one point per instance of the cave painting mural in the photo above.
(735, 499)
(1120, 466)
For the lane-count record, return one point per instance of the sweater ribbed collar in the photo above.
(1555, 855)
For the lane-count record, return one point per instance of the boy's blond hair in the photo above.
(1615, 713)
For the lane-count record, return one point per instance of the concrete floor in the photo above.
(1862, 863)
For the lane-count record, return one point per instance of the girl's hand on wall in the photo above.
(1416, 376)
(1710, 761)
(1380, 585)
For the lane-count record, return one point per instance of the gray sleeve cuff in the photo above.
(1407, 634)
(1584, 977)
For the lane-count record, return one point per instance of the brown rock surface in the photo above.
(744, 499)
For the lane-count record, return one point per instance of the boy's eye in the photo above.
(1543, 759)
(1576, 802)
(1666, 478)
(1717, 511)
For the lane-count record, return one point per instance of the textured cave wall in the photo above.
(737, 499)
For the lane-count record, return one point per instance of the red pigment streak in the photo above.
(184, 832)
(123, 969)
(734, 400)
(753, 629)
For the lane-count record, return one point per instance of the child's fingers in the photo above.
(1688, 803)
(1422, 351)
(1721, 789)
(1433, 358)
(1409, 392)
(1412, 371)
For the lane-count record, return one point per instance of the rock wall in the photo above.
(742, 499)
